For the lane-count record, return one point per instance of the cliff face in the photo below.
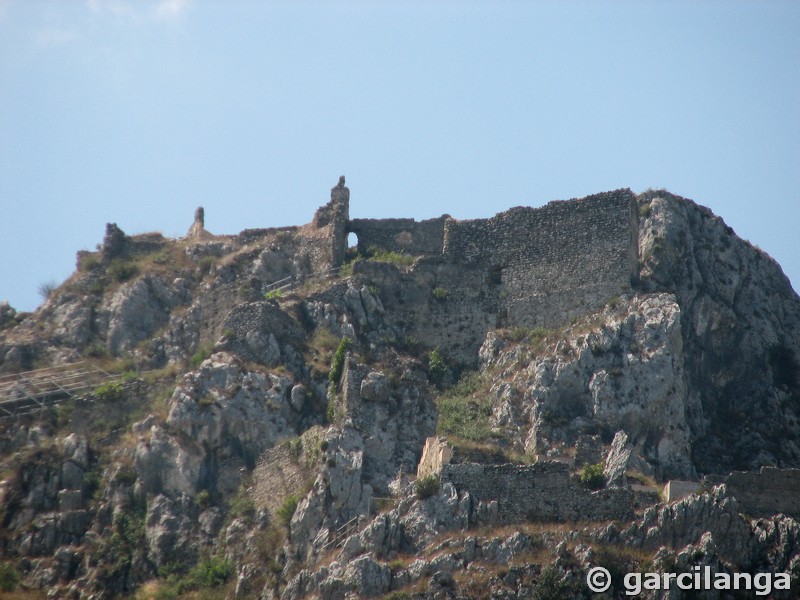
(741, 331)
(700, 367)
(241, 444)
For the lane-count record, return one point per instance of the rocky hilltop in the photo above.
(448, 409)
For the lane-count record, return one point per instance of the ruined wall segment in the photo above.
(400, 235)
(325, 238)
(554, 262)
(766, 492)
(539, 492)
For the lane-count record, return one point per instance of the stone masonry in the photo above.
(537, 266)
(765, 492)
(540, 492)
(561, 260)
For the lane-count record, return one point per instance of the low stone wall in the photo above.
(766, 492)
(540, 492)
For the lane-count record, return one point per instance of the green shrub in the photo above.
(273, 294)
(122, 270)
(97, 350)
(330, 410)
(518, 334)
(538, 333)
(286, 510)
(203, 499)
(241, 505)
(437, 366)
(441, 294)
(337, 368)
(348, 267)
(205, 264)
(389, 256)
(111, 391)
(550, 586)
(89, 261)
(410, 344)
(463, 415)
(468, 383)
(211, 572)
(592, 476)
(247, 292)
(425, 487)
(203, 352)
(9, 578)
(324, 339)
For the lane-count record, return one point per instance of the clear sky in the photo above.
(136, 112)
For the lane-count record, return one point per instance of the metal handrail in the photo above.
(31, 391)
(290, 281)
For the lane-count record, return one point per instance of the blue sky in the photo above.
(138, 112)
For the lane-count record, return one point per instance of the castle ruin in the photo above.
(529, 267)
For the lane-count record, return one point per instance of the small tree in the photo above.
(46, 289)
(437, 367)
(338, 360)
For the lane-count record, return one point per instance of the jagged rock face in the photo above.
(380, 437)
(741, 335)
(625, 373)
(221, 418)
(137, 310)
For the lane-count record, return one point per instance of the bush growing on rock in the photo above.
(338, 360)
(286, 511)
(550, 586)
(427, 486)
(437, 367)
(110, 392)
(121, 270)
(592, 476)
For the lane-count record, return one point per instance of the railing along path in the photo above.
(29, 391)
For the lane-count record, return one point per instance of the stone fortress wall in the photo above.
(554, 262)
(534, 266)
(400, 235)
